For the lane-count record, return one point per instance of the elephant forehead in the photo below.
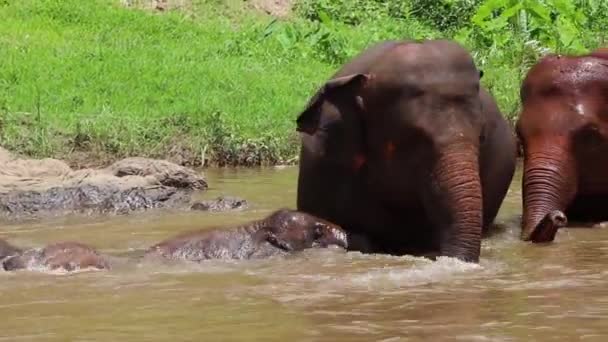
(295, 234)
(438, 51)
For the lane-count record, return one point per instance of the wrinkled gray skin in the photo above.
(220, 204)
(283, 232)
(8, 250)
(403, 148)
(69, 256)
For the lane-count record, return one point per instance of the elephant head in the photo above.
(62, 255)
(332, 115)
(416, 116)
(563, 131)
(293, 231)
(7, 250)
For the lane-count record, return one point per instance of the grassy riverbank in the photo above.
(91, 81)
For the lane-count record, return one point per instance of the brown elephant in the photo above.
(282, 232)
(69, 256)
(563, 128)
(403, 147)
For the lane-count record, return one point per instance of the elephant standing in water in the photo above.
(403, 147)
(563, 128)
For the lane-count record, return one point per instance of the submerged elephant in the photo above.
(404, 147)
(282, 232)
(8, 250)
(563, 128)
(69, 256)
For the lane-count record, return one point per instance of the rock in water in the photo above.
(32, 187)
(221, 203)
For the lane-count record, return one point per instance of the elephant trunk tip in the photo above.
(338, 238)
(546, 230)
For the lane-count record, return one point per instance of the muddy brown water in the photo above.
(519, 292)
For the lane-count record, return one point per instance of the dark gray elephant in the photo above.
(283, 232)
(404, 148)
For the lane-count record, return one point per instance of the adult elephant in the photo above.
(563, 128)
(404, 148)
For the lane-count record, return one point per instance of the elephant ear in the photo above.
(267, 234)
(308, 120)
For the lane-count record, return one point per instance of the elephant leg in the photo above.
(496, 177)
(497, 163)
(588, 211)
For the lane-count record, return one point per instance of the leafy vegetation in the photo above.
(217, 81)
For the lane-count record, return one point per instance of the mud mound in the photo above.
(277, 8)
(34, 186)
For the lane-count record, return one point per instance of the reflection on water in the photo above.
(517, 292)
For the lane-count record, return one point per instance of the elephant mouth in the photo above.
(546, 230)
(306, 125)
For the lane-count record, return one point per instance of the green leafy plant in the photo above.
(556, 24)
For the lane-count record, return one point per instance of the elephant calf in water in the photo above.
(69, 256)
(282, 232)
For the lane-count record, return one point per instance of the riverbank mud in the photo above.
(33, 187)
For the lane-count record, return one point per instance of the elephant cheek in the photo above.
(455, 203)
(549, 184)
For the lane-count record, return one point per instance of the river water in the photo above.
(518, 292)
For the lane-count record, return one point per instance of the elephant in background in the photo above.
(563, 128)
(404, 149)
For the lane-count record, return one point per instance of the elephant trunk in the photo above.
(549, 185)
(457, 210)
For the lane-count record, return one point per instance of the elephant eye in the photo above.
(590, 130)
(589, 137)
(318, 232)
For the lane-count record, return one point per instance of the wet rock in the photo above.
(32, 187)
(92, 199)
(166, 173)
(221, 204)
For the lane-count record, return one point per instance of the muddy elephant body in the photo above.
(563, 128)
(67, 256)
(403, 148)
(8, 250)
(282, 232)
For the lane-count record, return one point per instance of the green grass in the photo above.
(93, 75)
(216, 79)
